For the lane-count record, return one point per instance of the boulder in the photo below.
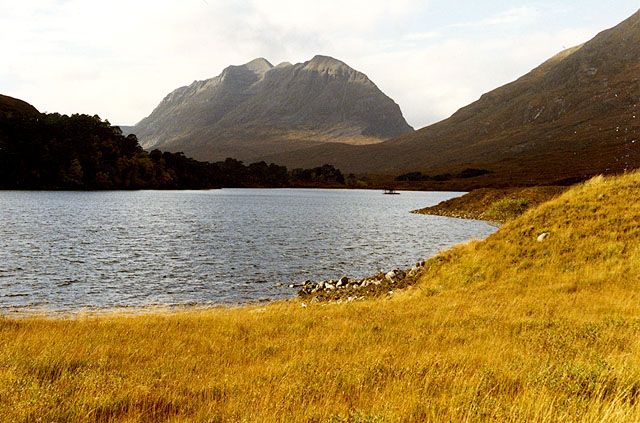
(543, 236)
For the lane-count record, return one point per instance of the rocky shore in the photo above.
(350, 289)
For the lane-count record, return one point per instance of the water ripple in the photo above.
(77, 250)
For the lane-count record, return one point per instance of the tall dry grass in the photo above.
(506, 329)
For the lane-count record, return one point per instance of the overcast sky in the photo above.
(119, 58)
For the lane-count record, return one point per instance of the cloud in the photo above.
(76, 56)
(421, 36)
(332, 15)
(120, 58)
(432, 82)
(519, 15)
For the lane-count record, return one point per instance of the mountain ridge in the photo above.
(255, 109)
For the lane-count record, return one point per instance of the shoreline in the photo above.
(377, 285)
(129, 311)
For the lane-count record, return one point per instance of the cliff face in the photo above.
(256, 109)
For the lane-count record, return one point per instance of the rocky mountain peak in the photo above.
(255, 109)
(259, 66)
(246, 74)
(326, 64)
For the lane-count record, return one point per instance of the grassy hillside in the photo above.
(493, 204)
(506, 329)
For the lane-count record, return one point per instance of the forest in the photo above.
(81, 152)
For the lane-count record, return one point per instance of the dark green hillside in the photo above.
(81, 152)
(52, 151)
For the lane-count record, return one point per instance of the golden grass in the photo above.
(507, 329)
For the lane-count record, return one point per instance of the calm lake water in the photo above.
(66, 251)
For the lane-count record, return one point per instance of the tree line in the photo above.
(465, 174)
(82, 152)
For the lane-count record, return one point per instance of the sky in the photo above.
(119, 58)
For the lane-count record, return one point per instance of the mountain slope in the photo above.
(13, 107)
(574, 116)
(256, 109)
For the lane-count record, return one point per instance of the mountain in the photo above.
(13, 107)
(576, 115)
(256, 109)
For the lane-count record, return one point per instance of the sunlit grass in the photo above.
(507, 329)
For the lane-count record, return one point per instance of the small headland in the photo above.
(496, 205)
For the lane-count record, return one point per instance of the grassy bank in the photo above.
(494, 204)
(506, 329)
